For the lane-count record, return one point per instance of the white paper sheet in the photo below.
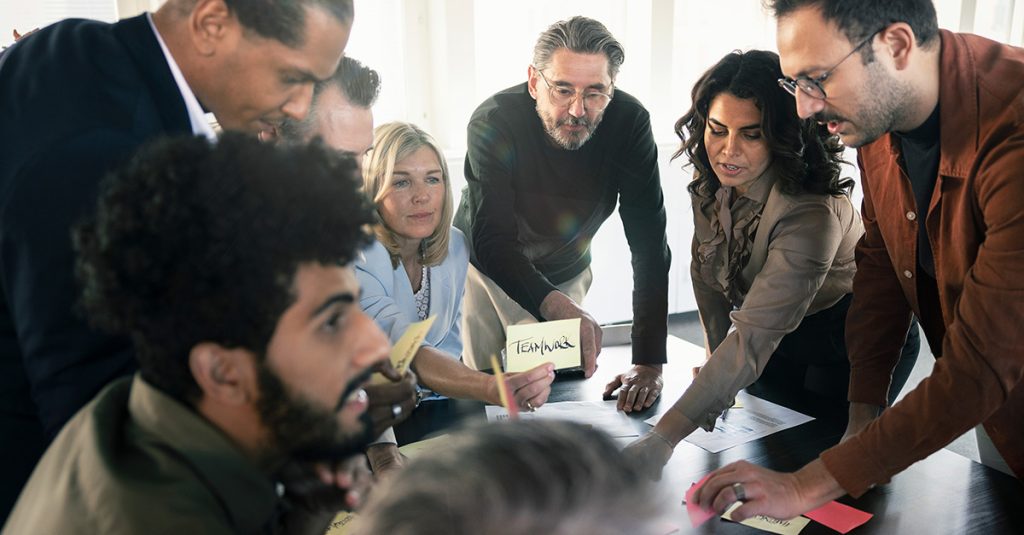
(599, 414)
(758, 418)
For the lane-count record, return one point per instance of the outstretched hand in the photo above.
(767, 492)
(638, 388)
(649, 454)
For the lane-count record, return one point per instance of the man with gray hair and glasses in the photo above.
(547, 160)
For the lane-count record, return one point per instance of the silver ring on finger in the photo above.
(741, 493)
(531, 407)
(396, 410)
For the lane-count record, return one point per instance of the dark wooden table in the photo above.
(945, 493)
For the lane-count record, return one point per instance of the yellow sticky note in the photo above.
(415, 449)
(771, 525)
(342, 524)
(405, 349)
(527, 346)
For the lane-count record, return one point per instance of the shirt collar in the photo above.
(758, 191)
(247, 493)
(196, 115)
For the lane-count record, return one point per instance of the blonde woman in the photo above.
(417, 269)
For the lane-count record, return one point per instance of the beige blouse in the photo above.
(758, 267)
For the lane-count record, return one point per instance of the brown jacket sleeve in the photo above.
(982, 351)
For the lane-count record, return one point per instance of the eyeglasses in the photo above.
(564, 96)
(812, 86)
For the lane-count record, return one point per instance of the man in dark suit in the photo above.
(78, 98)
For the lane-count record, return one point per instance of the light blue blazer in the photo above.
(388, 296)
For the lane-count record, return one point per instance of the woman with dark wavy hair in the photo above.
(773, 250)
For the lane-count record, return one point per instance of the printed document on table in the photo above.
(602, 415)
(758, 418)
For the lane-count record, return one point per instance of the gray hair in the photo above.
(358, 83)
(581, 35)
(517, 478)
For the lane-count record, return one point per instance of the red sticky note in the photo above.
(839, 517)
(698, 516)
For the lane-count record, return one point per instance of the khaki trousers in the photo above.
(487, 311)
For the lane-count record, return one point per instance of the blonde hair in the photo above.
(392, 143)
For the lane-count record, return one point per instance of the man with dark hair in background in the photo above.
(342, 116)
(78, 98)
(228, 265)
(546, 164)
(936, 117)
(341, 113)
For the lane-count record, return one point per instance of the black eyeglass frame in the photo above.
(812, 86)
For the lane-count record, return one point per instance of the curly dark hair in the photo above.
(194, 242)
(806, 158)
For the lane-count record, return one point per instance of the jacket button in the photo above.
(908, 274)
(911, 215)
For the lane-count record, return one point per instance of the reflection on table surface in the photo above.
(945, 493)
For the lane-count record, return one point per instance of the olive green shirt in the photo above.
(135, 460)
(760, 264)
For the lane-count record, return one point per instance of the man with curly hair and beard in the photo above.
(79, 98)
(228, 266)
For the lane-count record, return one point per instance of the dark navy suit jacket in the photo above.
(76, 99)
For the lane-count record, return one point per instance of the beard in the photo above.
(888, 107)
(303, 431)
(571, 141)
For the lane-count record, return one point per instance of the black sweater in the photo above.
(530, 209)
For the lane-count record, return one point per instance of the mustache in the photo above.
(822, 117)
(573, 121)
(353, 385)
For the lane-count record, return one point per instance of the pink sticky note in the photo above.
(698, 516)
(839, 517)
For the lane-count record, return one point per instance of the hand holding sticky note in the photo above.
(405, 349)
(530, 345)
(698, 516)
